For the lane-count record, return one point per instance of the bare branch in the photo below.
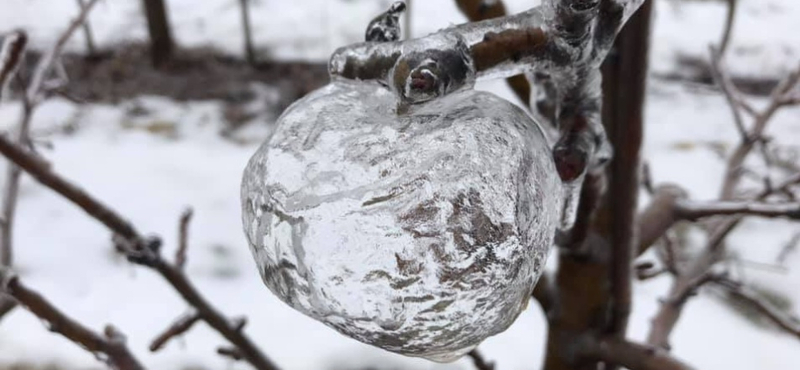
(178, 328)
(138, 249)
(183, 236)
(787, 249)
(87, 33)
(231, 353)
(112, 345)
(727, 30)
(479, 361)
(784, 321)
(11, 53)
(49, 58)
(693, 210)
(659, 215)
(635, 356)
(723, 80)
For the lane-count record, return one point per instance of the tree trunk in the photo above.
(160, 33)
(594, 278)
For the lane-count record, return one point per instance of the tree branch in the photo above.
(138, 250)
(695, 210)
(183, 236)
(178, 328)
(634, 356)
(480, 362)
(112, 345)
(11, 54)
(781, 319)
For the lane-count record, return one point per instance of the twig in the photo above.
(695, 210)
(634, 356)
(231, 353)
(732, 173)
(787, 249)
(112, 345)
(249, 50)
(479, 361)
(49, 58)
(178, 328)
(183, 236)
(723, 80)
(87, 32)
(138, 249)
(784, 321)
(11, 53)
(727, 30)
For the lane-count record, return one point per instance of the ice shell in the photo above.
(422, 233)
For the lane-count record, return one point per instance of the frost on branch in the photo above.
(406, 210)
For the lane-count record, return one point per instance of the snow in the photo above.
(150, 167)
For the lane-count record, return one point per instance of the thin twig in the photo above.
(112, 344)
(87, 32)
(249, 49)
(11, 54)
(178, 328)
(183, 237)
(783, 320)
(480, 362)
(48, 59)
(723, 80)
(728, 28)
(634, 356)
(787, 249)
(693, 210)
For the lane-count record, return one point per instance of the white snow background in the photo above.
(150, 177)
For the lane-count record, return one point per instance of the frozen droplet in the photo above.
(422, 233)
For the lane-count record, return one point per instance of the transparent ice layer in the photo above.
(421, 233)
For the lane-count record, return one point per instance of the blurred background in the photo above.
(152, 141)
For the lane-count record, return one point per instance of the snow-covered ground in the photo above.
(150, 167)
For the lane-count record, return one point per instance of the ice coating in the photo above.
(422, 233)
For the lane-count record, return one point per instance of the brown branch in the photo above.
(183, 236)
(480, 362)
(781, 319)
(178, 328)
(788, 248)
(634, 356)
(11, 53)
(138, 249)
(87, 32)
(230, 352)
(659, 215)
(545, 293)
(695, 210)
(249, 50)
(479, 10)
(112, 345)
(46, 63)
(723, 80)
(728, 28)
